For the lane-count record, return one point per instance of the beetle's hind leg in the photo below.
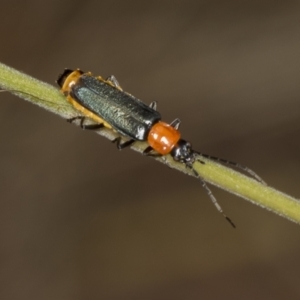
(123, 145)
(153, 105)
(88, 127)
(113, 80)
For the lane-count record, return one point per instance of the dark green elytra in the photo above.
(126, 114)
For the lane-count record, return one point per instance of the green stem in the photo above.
(50, 98)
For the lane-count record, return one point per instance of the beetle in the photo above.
(105, 102)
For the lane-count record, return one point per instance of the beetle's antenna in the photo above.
(234, 164)
(211, 196)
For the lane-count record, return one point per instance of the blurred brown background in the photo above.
(80, 220)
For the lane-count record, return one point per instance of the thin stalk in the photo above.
(50, 98)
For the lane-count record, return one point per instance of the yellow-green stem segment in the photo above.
(50, 98)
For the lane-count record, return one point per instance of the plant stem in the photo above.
(50, 98)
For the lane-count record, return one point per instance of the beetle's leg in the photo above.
(88, 127)
(112, 79)
(176, 123)
(153, 105)
(148, 151)
(120, 145)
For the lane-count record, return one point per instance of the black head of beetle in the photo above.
(62, 77)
